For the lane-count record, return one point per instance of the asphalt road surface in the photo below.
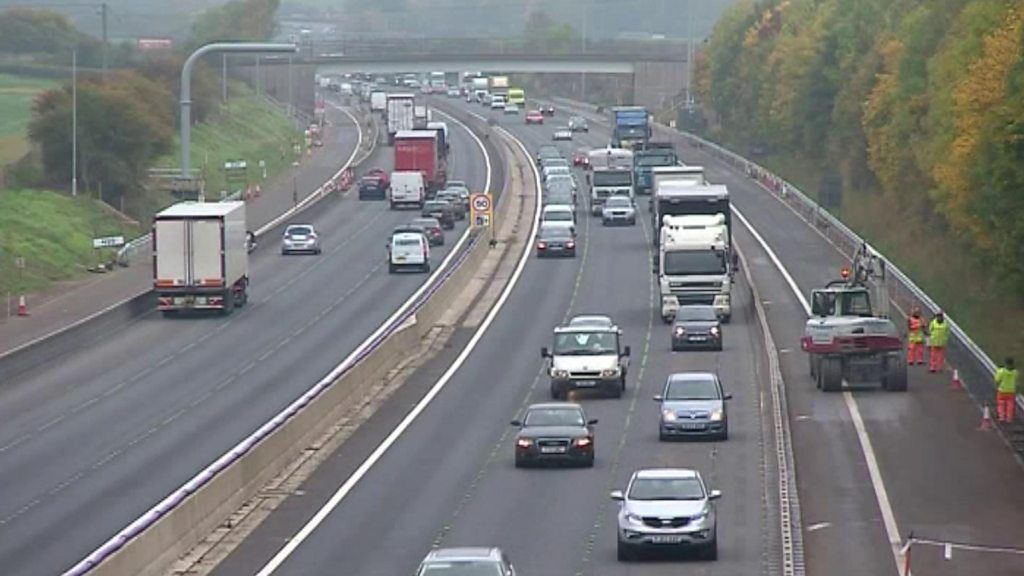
(449, 480)
(94, 440)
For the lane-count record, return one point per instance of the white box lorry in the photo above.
(200, 257)
(379, 102)
(400, 114)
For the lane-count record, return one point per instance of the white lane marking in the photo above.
(881, 495)
(399, 430)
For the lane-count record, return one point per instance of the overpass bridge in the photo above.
(658, 69)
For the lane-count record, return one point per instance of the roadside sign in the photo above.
(108, 242)
(19, 262)
(483, 210)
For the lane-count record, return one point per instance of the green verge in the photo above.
(247, 127)
(16, 96)
(960, 280)
(53, 232)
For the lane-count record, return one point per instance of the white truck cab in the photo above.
(694, 264)
(408, 189)
(408, 249)
(587, 356)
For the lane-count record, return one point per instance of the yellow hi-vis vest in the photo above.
(938, 333)
(1006, 381)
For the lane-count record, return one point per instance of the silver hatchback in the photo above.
(300, 238)
(692, 404)
(466, 562)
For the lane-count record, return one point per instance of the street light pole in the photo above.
(74, 122)
(186, 84)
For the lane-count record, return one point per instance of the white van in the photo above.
(408, 250)
(407, 188)
(562, 214)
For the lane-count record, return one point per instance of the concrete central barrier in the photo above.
(152, 543)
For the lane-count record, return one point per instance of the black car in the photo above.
(432, 228)
(441, 210)
(548, 110)
(696, 326)
(371, 188)
(555, 240)
(555, 432)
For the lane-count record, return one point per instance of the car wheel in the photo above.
(319, 251)
(725, 433)
(557, 394)
(391, 269)
(710, 551)
(604, 222)
(426, 267)
(519, 462)
(283, 252)
(662, 436)
(623, 553)
(393, 206)
(590, 462)
(616, 391)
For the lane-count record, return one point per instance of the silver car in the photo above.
(618, 210)
(466, 562)
(300, 238)
(561, 134)
(665, 509)
(692, 405)
(455, 199)
(460, 187)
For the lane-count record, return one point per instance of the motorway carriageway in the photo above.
(91, 442)
(941, 478)
(449, 480)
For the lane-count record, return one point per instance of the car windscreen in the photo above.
(435, 205)
(299, 231)
(586, 343)
(613, 178)
(696, 314)
(557, 216)
(553, 417)
(426, 222)
(694, 262)
(555, 233)
(407, 242)
(461, 568)
(692, 389)
(666, 489)
(618, 202)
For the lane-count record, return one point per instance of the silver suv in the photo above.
(466, 562)
(587, 357)
(666, 509)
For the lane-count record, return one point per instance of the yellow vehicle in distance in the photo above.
(517, 96)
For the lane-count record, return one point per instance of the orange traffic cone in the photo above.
(22, 306)
(986, 418)
(956, 383)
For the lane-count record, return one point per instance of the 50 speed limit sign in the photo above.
(481, 205)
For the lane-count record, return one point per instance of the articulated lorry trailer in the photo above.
(400, 114)
(200, 257)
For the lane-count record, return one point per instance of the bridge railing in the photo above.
(390, 47)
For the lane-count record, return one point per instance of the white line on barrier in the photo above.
(874, 471)
(350, 483)
(85, 564)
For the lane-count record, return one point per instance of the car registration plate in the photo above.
(666, 539)
(585, 383)
(692, 426)
(552, 449)
(698, 338)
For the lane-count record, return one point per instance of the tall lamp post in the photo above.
(186, 83)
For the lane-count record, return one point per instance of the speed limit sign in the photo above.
(481, 203)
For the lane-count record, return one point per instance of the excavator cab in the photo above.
(860, 292)
(854, 301)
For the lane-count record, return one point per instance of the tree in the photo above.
(120, 132)
(45, 32)
(238, 21)
(166, 70)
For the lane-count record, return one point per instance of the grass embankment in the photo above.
(53, 232)
(16, 95)
(246, 128)
(954, 276)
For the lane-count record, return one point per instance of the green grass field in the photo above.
(247, 128)
(53, 232)
(16, 95)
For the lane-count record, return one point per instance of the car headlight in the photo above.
(703, 515)
(715, 331)
(610, 372)
(668, 415)
(559, 373)
(524, 442)
(583, 442)
(717, 415)
(679, 331)
(634, 518)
